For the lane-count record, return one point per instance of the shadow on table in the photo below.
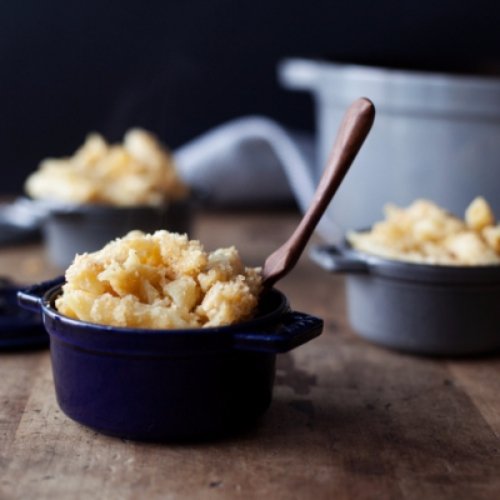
(420, 423)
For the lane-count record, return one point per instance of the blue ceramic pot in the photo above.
(168, 384)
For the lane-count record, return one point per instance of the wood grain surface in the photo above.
(349, 420)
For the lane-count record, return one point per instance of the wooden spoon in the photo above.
(353, 130)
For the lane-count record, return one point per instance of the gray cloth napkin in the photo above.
(254, 161)
(248, 161)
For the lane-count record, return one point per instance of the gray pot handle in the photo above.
(298, 74)
(295, 329)
(333, 259)
(31, 298)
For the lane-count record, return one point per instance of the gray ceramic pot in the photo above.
(435, 136)
(418, 308)
(72, 229)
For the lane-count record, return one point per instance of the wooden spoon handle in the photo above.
(353, 130)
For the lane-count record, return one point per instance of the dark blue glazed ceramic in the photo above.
(19, 329)
(168, 384)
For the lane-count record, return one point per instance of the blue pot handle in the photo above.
(295, 329)
(31, 298)
(335, 260)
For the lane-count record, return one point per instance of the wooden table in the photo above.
(349, 420)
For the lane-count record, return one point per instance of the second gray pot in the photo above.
(421, 309)
(69, 230)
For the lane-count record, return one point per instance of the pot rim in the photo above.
(62, 207)
(275, 328)
(396, 91)
(378, 73)
(345, 258)
(265, 318)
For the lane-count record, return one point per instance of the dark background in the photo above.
(181, 67)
